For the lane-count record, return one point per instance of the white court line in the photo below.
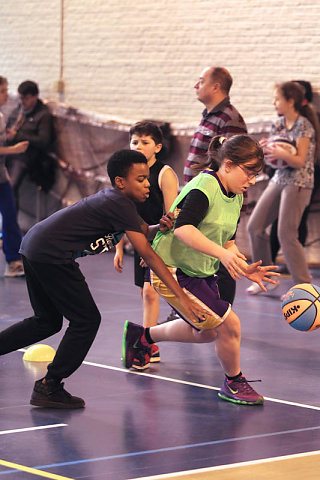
(30, 429)
(199, 385)
(230, 466)
(192, 384)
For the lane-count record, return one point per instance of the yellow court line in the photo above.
(33, 471)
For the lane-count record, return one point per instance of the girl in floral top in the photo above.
(289, 191)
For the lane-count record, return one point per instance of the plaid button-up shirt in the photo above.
(224, 120)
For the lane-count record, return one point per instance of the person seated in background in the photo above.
(31, 122)
(11, 235)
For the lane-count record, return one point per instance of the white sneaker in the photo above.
(14, 269)
(254, 288)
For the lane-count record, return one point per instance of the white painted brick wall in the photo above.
(140, 59)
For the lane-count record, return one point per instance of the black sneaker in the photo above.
(51, 394)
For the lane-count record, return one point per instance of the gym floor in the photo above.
(167, 422)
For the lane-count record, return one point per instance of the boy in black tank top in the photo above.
(146, 137)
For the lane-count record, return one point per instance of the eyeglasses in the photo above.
(250, 174)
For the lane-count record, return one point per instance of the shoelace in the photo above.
(245, 384)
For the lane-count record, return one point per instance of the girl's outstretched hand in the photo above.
(256, 273)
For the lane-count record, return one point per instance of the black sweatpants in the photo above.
(56, 291)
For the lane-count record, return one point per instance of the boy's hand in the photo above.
(20, 147)
(118, 257)
(259, 274)
(142, 263)
(118, 260)
(195, 311)
(166, 222)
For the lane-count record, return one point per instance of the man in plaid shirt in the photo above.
(218, 118)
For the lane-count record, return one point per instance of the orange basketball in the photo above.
(301, 307)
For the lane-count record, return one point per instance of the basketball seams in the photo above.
(296, 319)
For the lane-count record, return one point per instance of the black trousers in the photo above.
(56, 291)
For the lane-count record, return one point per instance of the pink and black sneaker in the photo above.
(239, 391)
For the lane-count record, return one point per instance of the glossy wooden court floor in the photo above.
(167, 422)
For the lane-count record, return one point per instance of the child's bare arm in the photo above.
(20, 147)
(144, 249)
(192, 237)
(169, 186)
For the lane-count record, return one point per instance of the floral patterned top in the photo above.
(304, 176)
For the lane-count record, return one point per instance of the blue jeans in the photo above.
(11, 235)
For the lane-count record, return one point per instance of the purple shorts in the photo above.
(203, 291)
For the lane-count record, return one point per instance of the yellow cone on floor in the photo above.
(39, 353)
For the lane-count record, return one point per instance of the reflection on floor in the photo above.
(168, 419)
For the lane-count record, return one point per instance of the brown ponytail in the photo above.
(295, 91)
(239, 149)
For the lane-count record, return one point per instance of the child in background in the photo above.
(207, 213)
(303, 227)
(289, 191)
(11, 235)
(146, 137)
